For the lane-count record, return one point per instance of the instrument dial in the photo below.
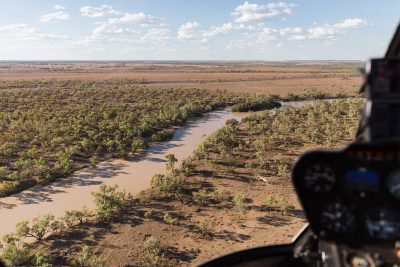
(337, 219)
(319, 178)
(393, 183)
(383, 224)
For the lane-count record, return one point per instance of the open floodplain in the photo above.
(195, 180)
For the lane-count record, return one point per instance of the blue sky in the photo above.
(196, 30)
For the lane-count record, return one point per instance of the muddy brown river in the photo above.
(133, 176)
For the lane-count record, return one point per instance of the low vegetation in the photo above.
(213, 192)
(256, 104)
(278, 203)
(49, 132)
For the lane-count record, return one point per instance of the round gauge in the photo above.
(319, 178)
(393, 183)
(383, 224)
(337, 219)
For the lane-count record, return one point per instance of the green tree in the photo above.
(171, 160)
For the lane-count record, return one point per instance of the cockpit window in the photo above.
(153, 133)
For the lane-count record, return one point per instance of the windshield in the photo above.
(154, 133)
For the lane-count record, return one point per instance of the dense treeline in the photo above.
(48, 133)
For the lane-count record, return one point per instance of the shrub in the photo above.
(256, 104)
(186, 168)
(74, 217)
(163, 135)
(41, 260)
(239, 203)
(4, 172)
(154, 254)
(168, 185)
(148, 214)
(86, 258)
(144, 196)
(9, 149)
(15, 254)
(206, 228)
(41, 226)
(171, 160)
(110, 201)
(93, 161)
(279, 203)
(8, 187)
(201, 197)
(222, 195)
(282, 167)
(169, 219)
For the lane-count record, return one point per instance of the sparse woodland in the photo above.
(60, 126)
(237, 178)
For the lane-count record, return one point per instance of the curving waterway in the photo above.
(133, 176)
(74, 193)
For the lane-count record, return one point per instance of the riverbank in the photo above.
(237, 193)
(133, 176)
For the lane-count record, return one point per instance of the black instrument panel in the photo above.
(352, 195)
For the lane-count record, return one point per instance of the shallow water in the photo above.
(133, 176)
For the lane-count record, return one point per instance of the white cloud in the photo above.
(249, 12)
(224, 28)
(192, 31)
(134, 17)
(156, 36)
(329, 31)
(237, 44)
(59, 7)
(295, 30)
(24, 32)
(297, 37)
(267, 35)
(55, 17)
(189, 31)
(96, 12)
(122, 28)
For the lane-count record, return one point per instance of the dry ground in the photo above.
(122, 243)
(274, 78)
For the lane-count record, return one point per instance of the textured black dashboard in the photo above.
(352, 196)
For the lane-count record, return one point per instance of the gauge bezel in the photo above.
(325, 165)
(388, 187)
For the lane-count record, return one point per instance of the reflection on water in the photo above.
(133, 176)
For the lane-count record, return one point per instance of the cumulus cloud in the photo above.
(22, 31)
(192, 30)
(156, 36)
(267, 35)
(123, 27)
(237, 44)
(286, 31)
(112, 25)
(59, 7)
(329, 31)
(249, 12)
(325, 31)
(134, 17)
(55, 17)
(224, 28)
(96, 12)
(189, 31)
